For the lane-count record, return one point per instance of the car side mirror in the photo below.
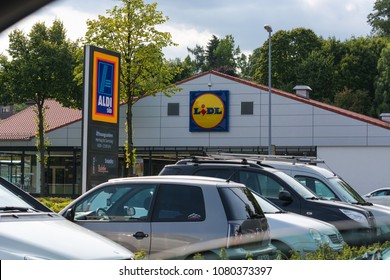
(129, 211)
(69, 214)
(285, 196)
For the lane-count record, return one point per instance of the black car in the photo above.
(357, 225)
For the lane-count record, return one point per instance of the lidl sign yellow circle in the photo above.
(209, 111)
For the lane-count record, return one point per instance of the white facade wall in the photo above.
(355, 149)
(294, 123)
(67, 136)
(364, 168)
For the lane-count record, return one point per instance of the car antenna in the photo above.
(230, 177)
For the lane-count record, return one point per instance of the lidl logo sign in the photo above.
(105, 92)
(209, 111)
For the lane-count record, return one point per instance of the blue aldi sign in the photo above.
(105, 88)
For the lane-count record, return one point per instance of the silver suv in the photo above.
(169, 217)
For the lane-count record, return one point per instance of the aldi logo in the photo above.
(105, 91)
(209, 111)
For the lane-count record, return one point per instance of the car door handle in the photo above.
(140, 235)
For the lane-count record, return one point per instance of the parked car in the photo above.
(176, 217)
(291, 232)
(325, 184)
(29, 230)
(356, 225)
(379, 196)
(378, 254)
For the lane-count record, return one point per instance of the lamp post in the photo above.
(268, 28)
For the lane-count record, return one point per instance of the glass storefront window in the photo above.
(63, 173)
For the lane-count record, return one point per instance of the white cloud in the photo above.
(194, 22)
(185, 37)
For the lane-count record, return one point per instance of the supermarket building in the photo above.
(212, 112)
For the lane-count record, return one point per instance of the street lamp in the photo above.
(268, 28)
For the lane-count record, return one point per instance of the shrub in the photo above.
(55, 203)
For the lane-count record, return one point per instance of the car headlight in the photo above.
(356, 216)
(318, 237)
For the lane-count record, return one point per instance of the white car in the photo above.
(294, 232)
(30, 231)
(379, 196)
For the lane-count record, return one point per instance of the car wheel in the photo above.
(284, 252)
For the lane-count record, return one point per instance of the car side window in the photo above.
(261, 183)
(317, 186)
(116, 203)
(176, 203)
(380, 193)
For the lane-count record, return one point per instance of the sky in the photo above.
(194, 22)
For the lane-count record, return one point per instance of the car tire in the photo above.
(284, 252)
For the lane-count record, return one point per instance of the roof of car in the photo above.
(299, 166)
(187, 179)
(379, 189)
(224, 162)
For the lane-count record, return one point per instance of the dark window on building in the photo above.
(173, 109)
(246, 108)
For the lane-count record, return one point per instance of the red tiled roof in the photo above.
(22, 126)
(312, 102)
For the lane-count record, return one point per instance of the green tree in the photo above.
(357, 101)
(318, 71)
(220, 55)
(288, 50)
(212, 59)
(382, 84)
(227, 56)
(129, 29)
(188, 68)
(379, 19)
(199, 58)
(41, 68)
(358, 67)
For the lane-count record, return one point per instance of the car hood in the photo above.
(382, 216)
(341, 204)
(287, 223)
(50, 236)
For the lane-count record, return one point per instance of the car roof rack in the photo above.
(258, 157)
(212, 159)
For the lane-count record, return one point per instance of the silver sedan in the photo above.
(293, 232)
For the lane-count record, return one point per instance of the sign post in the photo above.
(100, 116)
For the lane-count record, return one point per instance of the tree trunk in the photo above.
(41, 148)
(129, 152)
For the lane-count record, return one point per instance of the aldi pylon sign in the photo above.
(100, 116)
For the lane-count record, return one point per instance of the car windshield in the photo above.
(8, 199)
(347, 192)
(298, 187)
